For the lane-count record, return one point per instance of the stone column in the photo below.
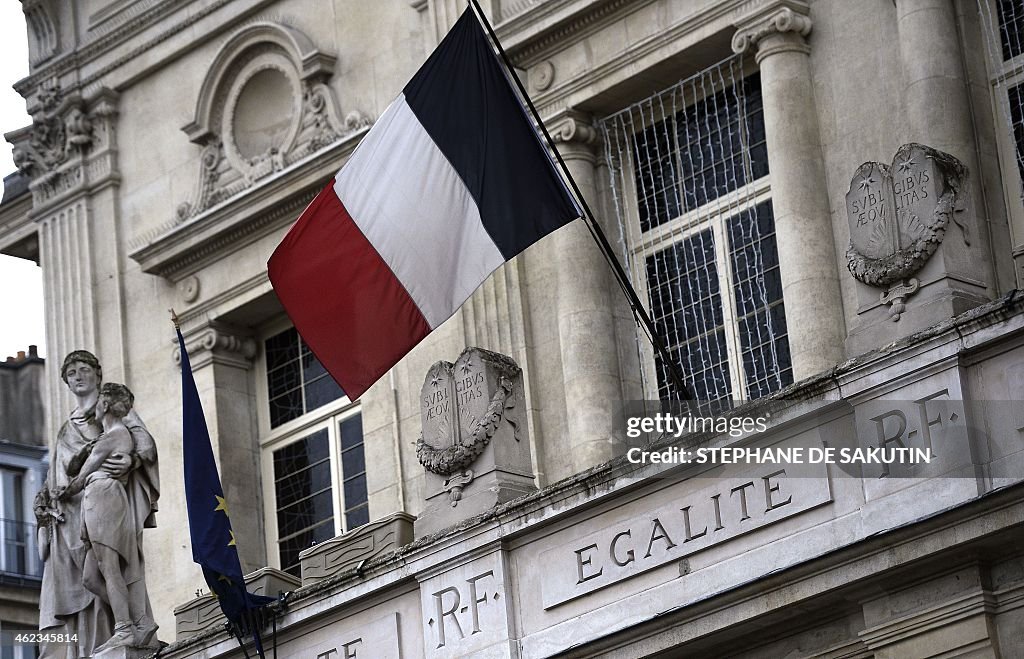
(70, 154)
(936, 108)
(221, 360)
(937, 112)
(810, 276)
(590, 369)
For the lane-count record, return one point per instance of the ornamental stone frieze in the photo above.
(263, 107)
(70, 145)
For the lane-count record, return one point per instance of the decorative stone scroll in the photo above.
(474, 446)
(264, 106)
(898, 215)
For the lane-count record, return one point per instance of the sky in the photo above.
(21, 288)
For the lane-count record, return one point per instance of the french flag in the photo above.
(451, 182)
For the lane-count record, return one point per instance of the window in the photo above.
(312, 454)
(1003, 23)
(700, 234)
(14, 532)
(11, 649)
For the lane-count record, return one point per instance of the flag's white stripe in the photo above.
(414, 209)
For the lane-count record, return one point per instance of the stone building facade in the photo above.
(173, 143)
(22, 469)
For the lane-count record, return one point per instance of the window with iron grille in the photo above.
(1003, 24)
(690, 181)
(312, 452)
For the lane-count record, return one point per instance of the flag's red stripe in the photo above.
(349, 307)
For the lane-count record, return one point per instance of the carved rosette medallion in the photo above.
(898, 215)
(463, 405)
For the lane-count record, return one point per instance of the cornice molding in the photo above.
(122, 36)
(175, 250)
(525, 48)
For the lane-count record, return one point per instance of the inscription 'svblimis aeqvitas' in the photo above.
(898, 215)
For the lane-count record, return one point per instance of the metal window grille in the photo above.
(1003, 24)
(689, 180)
(297, 382)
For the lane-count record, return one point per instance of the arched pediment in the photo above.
(307, 62)
(264, 105)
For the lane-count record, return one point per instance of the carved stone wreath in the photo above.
(905, 260)
(447, 460)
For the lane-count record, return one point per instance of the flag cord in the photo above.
(639, 313)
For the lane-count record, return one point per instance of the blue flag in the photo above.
(213, 541)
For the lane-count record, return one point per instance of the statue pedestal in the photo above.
(475, 445)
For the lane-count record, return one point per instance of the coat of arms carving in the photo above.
(899, 215)
(462, 406)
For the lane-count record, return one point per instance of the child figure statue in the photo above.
(112, 569)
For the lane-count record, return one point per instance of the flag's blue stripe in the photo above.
(465, 103)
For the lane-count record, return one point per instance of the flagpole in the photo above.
(621, 277)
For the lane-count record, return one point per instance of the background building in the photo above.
(174, 142)
(22, 470)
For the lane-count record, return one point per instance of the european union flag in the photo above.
(213, 541)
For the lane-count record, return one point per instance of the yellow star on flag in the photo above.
(222, 504)
(225, 578)
(232, 543)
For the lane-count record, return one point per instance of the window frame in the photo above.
(713, 215)
(1002, 75)
(329, 416)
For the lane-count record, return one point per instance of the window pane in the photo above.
(282, 349)
(351, 431)
(301, 454)
(296, 381)
(353, 468)
(305, 513)
(302, 484)
(285, 407)
(352, 461)
(1011, 27)
(686, 301)
(1016, 99)
(355, 491)
(759, 308)
(710, 148)
(357, 517)
(321, 391)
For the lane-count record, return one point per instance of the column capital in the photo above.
(217, 343)
(573, 126)
(788, 19)
(575, 135)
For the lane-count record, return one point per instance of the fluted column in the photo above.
(221, 360)
(810, 276)
(590, 370)
(937, 112)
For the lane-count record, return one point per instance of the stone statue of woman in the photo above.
(75, 598)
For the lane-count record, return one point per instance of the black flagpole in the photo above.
(595, 229)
